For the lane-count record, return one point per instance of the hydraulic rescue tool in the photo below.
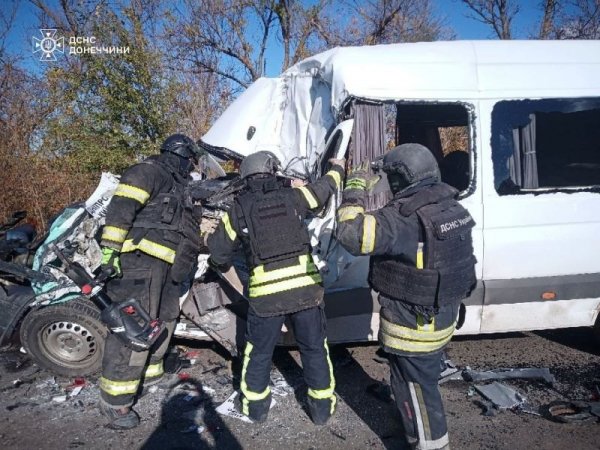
(127, 319)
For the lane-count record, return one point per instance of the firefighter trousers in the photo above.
(125, 371)
(262, 334)
(414, 381)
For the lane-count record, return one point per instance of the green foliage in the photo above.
(114, 108)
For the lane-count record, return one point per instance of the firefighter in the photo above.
(422, 266)
(267, 218)
(150, 245)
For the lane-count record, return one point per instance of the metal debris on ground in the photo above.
(59, 399)
(279, 386)
(487, 407)
(75, 391)
(571, 412)
(208, 390)
(450, 371)
(509, 374)
(501, 395)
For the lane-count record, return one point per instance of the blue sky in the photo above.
(19, 40)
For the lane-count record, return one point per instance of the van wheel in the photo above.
(67, 339)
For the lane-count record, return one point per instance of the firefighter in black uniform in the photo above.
(267, 218)
(422, 265)
(150, 244)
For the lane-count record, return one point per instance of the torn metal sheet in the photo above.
(507, 374)
(501, 395)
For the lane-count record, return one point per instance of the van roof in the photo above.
(458, 69)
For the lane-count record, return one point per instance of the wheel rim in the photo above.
(68, 341)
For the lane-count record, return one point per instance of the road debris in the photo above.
(59, 399)
(501, 395)
(279, 386)
(572, 412)
(531, 373)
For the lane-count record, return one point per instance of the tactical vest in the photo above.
(174, 213)
(275, 227)
(448, 272)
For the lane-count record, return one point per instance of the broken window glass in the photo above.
(551, 144)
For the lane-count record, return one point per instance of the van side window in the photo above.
(546, 145)
(444, 128)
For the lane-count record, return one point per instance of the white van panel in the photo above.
(531, 235)
(539, 315)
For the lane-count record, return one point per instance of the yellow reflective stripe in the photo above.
(356, 183)
(368, 237)
(337, 178)
(114, 234)
(112, 387)
(228, 228)
(349, 212)
(305, 265)
(154, 370)
(126, 190)
(327, 393)
(420, 256)
(248, 394)
(151, 248)
(416, 335)
(413, 346)
(285, 285)
(308, 195)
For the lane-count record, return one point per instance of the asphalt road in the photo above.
(181, 414)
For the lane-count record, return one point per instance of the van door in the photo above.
(542, 213)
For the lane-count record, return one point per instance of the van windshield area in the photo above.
(444, 128)
(546, 145)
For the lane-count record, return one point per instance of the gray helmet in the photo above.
(408, 164)
(260, 162)
(181, 145)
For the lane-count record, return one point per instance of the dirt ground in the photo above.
(181, 413)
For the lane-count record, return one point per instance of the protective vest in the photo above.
(445, 269)
(275, 228)
(174, 214)
(283, 277)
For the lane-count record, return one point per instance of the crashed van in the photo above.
(514, 126)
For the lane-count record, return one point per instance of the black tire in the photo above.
(67, 339)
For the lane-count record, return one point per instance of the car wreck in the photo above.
(482, 108)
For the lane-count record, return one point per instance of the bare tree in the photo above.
(549, 12)
(580, 19)
(498, 14)
(389, 21)
(232, 39)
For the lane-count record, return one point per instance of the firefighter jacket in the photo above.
(421, 262)
(151, 211)
(267, 219)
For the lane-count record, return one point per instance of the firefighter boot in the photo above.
(120, 419)
(321, 410)
(257, 410)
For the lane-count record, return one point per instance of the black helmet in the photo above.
(181, 145)
(408, 164)
(259, 162)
